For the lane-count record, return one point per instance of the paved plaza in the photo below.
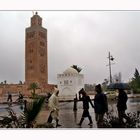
(68, 117)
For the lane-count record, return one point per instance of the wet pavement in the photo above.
(68, 117)
(72, 118)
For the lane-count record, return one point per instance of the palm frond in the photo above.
(33, 86)
(33, 110)
(78, 69)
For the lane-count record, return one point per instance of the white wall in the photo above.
(72, 88)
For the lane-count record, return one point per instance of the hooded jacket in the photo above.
(100, 103)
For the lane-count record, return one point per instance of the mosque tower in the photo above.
(36, 61)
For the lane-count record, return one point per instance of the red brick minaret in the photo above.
(36, 64)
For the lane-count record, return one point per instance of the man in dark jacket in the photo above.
(9, 98)
(101, 105)
(121, 105)
(86, 100)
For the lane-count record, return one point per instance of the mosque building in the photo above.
(69, 83)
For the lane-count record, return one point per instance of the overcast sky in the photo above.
(83, 38)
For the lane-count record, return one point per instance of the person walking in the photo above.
(53, 104)
(86, 100)
(9, 98)
(101, 105)
(20, 98)
(122, 106)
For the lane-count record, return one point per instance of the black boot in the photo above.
(82, 119)
(90, 121)
(57, 124)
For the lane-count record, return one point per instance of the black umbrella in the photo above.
(124, 86)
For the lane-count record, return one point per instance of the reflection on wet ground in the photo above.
(70, 118)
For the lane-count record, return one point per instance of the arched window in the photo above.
(66, 82)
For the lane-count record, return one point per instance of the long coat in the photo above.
(122, 99)
(86, 100)
(53, 105)
(100, 103)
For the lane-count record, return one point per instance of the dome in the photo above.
(70, 71)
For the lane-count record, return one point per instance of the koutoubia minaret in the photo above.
(36, 64)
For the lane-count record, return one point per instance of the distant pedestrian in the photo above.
(86, 100)
(9, 98)
(121, 105)
(20, 98)
(53, 105)
(101, 105)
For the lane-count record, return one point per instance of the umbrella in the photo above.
(124, 86)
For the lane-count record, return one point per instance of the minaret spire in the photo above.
(33, 13)
(36, 20)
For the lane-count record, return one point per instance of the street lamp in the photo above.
(110, 58)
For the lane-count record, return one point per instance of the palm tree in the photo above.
(76, 68)
(5, 82)
(33, 87)
(20, 82)
(32, 111)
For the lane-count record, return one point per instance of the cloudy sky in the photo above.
(83, 38)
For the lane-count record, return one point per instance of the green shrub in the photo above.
(111, 121)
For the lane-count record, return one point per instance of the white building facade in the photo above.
(69, 83)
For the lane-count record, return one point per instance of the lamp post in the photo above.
(110, 58)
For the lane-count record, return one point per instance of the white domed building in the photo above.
(69, 83)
